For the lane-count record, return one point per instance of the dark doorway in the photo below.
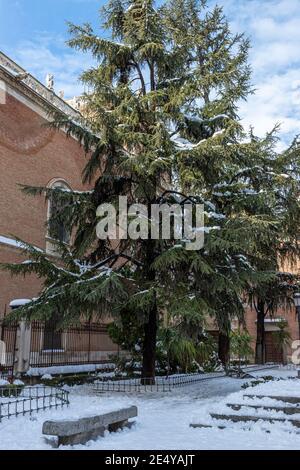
(52, 338)
(274, 352)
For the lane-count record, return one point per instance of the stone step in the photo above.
(254, 419)
(288, 410)
(205, 426)
(293, 400)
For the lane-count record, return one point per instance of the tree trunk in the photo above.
(149, 349)
(224, 349)
(260, 337)
(151, 327)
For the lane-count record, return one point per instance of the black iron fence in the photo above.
(16, 401)
(160, 384)
(164, 383)
(8, 339)
(84, 344)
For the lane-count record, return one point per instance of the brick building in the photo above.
(273, 353)
(34, 155)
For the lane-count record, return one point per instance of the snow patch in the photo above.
(15, 243)
(3, 383)
(56, 370)
(167, 415)
(19, 302)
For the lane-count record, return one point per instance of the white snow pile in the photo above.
(14, 243)
(3, 383)
(10, 242)
(19, 302)
(18, 383)
(280, 388)
(61, 370)
(47, 377)
(164, 419)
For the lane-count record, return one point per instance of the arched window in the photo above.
(57, 229)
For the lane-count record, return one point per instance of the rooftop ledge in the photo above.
(15, 71)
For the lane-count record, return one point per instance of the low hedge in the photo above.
(71, 380)
(11, 390)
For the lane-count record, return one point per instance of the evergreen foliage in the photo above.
(240, 346)
(162, 126)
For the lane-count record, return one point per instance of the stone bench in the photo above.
(246, 418)
(82, 430)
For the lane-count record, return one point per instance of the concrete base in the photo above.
(81, 438)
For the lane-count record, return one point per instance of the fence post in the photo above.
(22, 361)
(89, 351)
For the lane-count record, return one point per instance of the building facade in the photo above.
(35, 155)
(274, 352)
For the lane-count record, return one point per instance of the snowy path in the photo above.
(164, 419)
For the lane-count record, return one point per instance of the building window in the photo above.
(57, 229)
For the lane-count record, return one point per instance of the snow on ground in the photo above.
(164, 418)
(56, 370)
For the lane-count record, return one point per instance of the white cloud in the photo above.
(274, 29)
(274, 57)
(277, 29)
(39, 56)
(275, 101)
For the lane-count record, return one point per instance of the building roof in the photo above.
(18, 76)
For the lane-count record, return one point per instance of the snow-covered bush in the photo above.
(18, 383)
(3, 383)
(70, 380)
(47, 377)
(10, 390)
(261, 380)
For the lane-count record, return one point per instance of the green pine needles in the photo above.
(161, 125)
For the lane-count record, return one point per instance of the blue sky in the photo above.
(33, 32)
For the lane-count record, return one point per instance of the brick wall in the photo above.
(33, 155)
(289, 315)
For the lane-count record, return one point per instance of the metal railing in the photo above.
(8, 354)
(86, 344)
(160, 384)
(164, 383)
(16, 401)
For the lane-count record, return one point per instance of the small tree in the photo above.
(282, 336)
(267, 297)
(240, 345)
(274, 182)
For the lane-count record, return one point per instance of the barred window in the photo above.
(57, 227)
